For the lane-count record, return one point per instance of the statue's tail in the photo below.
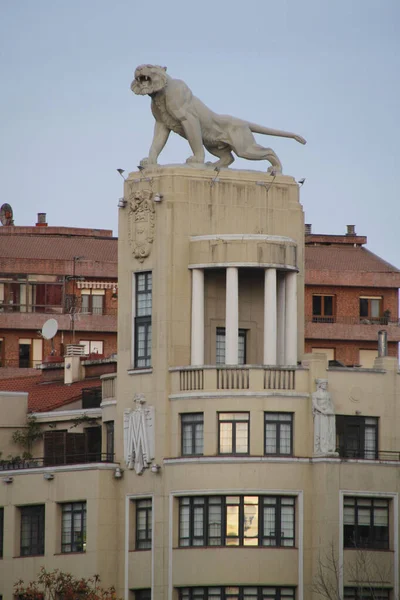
(277, 132)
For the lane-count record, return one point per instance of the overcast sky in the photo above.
(326, 69)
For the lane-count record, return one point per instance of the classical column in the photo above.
(270, 329)
(281, 317)
(232, 316)
(197, 349)
(291, 319)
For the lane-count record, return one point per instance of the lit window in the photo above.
(233, 433)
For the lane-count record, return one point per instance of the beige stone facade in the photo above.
(231, 502)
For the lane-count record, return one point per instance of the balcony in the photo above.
(350, 328)
(19, 464)
(22, 316)
(223, 378)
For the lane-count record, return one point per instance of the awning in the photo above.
(97, 285)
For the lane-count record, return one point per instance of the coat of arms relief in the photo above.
(142, 219)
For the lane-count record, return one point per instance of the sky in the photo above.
(328, 70)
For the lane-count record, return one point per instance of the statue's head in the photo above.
(149, 79)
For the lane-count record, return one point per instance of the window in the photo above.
(236, 521)
(233, 433)
(220, 347)
(143, 524)
(32, 530)
(237, 593)
(64, 448)
(92, 346)
(192, 434)
(109, 440)
(366, 594)
(143, 320)
(366, 523)
(370, 308)
(323, 308)
(1, 531)
(357, 437)
(278, 433)
(144, 594)
(92, 301)
(73, 527)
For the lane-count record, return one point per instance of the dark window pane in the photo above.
(317, 305)
(328, 306)
(363, 307)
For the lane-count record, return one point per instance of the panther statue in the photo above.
(176, 109)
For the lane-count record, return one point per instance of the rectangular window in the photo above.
(233, 431)
(92, 346)
(144, 594)
(366, 523)
(92, 301)
(278, 433)
(366, 594)
(323, 308)
(192, 426)
(143, 524)
(357, 437)
(371, 308)
(237, 521)
(220, 346)
(238, 593)
(1, 531)
(143, 320)
(109, 440)
(73, 527)
(32, 530)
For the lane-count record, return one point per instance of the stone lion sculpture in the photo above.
(176, 109)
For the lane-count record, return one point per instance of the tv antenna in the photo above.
(49, 330)
(6, 215)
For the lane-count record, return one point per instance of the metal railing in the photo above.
(393, 455)
(353, 320)
(16, 464)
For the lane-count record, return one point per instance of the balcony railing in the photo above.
(56, 309)
(352, 320)
(369, 454)
(255, 378)
(17, 464)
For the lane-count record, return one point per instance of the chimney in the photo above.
(382, 343)
(307, 229)
(73, 369)
(351, 230)
(41, 220)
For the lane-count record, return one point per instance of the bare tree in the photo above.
(365, 576)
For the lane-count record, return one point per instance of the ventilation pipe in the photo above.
(307, 229)
(382, 344)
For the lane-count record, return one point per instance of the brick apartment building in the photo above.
(350, 295)
(63, 273)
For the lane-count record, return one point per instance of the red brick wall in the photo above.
(347, 299)
(348, 351)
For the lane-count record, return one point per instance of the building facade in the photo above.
(62, 273)
(232, 478)
(351, 294)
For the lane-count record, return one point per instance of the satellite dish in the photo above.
(6, 215)
(49, 330)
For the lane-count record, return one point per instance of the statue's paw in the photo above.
(144, 162)
(274, 170)
(194, 160)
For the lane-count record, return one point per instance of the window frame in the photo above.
(278, 424)
(110, 439)
(221, 333)
(344, 423)
(323, 317)
(192, 425)
(372, 543)
(35, 514)
(90, 309)
(204, 504)
(352, 593)
(264, 592)
(234, 433)
(143, 321)
(145, 542)
(77, 508)
(369, 316)
(1, 531)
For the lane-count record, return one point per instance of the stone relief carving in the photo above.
(139, 435)
(175, 108)
(142, 219)
(324, 420)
